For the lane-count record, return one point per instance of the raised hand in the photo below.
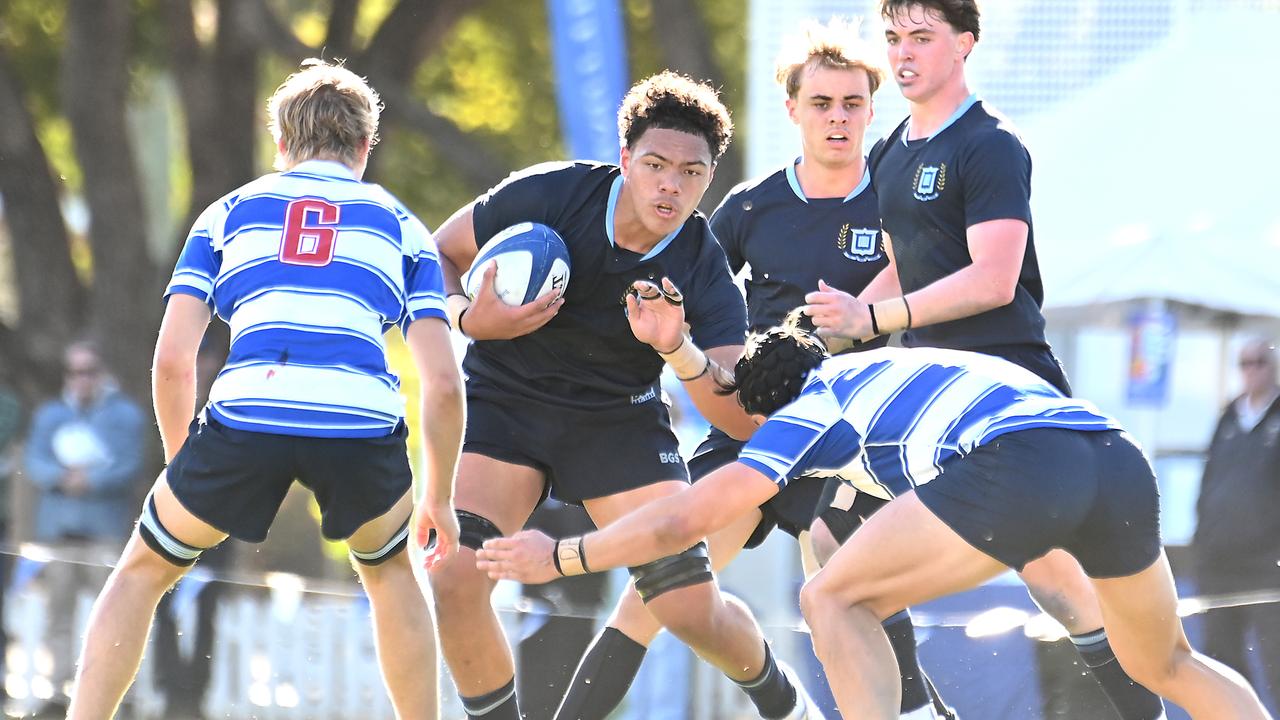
(656, 313)
(525, 556)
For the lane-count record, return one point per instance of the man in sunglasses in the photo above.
(1237, 540)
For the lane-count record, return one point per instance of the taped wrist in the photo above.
(455, 305)
(687, 360)
(569, 557)
(889, 316)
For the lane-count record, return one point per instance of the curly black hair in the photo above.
(672, 101)
(775, 365)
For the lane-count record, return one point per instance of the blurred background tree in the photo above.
(120, 120)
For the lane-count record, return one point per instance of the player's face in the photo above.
(925, 51)
(665, 173)
(832, 108)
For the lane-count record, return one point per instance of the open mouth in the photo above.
(665, 210)
(905, 75)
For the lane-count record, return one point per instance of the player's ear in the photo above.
(624, 159)
(965, 43)
(791, 110)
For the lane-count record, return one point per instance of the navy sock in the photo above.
(497, 705)
(603, 677)
(771, 691)
(902, 636)
(1131, 700)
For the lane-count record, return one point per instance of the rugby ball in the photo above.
(532, 260)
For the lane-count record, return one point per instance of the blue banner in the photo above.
(1153, 332)
(588, 49)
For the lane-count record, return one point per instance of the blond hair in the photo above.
(323, 111)
(834, 44)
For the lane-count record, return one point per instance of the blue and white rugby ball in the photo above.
(532, 260)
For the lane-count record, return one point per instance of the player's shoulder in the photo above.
(761, 186)
(750, 193)
(561, 171)
(987, 127)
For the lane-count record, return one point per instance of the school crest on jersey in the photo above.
(858, 243)
(930, 181)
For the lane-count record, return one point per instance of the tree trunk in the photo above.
(50, 296)
(686, 47)
(124, 305)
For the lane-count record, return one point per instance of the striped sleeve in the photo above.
(808, 434)
(199, 263)
(424, 282)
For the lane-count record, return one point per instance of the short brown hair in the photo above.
(323, 111)
(963, 15)
(672, 101)
(834, 44)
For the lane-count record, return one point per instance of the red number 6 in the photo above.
(307, 240)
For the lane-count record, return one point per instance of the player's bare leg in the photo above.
(475, 648)
(1149, 642)
(723, 633)
(862, 585)
(606, 671)
(122, 614)
(633, 619)
(1059, 586)
(403, 632)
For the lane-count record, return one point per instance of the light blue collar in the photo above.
(794, 182)
(608, 222)
(964, 108)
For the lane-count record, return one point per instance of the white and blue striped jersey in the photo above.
(310, 268)
(887, 420)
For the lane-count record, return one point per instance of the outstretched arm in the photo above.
(656, 530)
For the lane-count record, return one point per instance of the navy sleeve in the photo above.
(728, 231)
(997, 179)
(715, 311)
(535, 194)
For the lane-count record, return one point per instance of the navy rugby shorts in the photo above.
(1025, 493)
(584, 454)
(235, 479)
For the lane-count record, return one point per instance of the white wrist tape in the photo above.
(688, 362)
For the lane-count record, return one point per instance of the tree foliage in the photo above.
(469, 93)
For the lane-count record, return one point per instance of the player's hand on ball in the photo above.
(525, 557)
(656, 313)
(489, 318)
(436, 528)
(838, 314)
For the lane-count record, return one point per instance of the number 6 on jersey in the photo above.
(309, 244)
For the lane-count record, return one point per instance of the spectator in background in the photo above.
(84, 455)
(1237, 540)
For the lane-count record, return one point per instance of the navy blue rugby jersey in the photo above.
(931, 190)
(791, 241)
(587, 356)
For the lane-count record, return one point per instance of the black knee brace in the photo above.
(690, 567)
(161, 541)
(399, 541)
(475, 529)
